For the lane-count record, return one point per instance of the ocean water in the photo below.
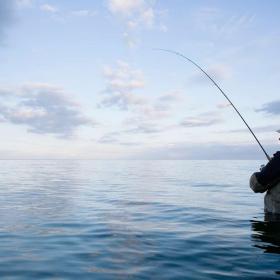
(63, 219)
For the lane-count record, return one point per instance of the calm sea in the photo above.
(63, 219)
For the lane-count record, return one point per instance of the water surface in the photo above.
(63, 219)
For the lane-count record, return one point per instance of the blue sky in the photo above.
(80, 79)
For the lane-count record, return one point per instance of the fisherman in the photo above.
(268, 180)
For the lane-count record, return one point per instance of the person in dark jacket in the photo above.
(268, 176)
(268, 180)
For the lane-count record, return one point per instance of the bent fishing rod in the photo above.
(223, 93)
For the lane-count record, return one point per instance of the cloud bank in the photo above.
(43, 109)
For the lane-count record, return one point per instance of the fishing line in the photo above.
(212, 80)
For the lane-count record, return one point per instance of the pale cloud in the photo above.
(218, 72)
(130, 128)
(272, 108)
(136, 15)
(49, 8)
(144, 128)
(84, 13)
(122, 100)
(259, 129)
(204, 119)
(125, 7)
(160, 108)
(166, 101)
(148, 17)
(24, 3)
(109, 138)
(130, 40)
(221, 23)
(115, 138)
(122, 81)
(145, 113)
(206, 18)
(223, 105)
(237, 23)
(123, 77)
(43, 109)
(152, 112)
(62, 15)
(131, 144)
(198, 122)
(4, 92)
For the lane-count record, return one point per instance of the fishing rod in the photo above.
(212, 80)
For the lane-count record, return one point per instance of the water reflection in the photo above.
(266, 234)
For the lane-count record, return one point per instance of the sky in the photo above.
(82, 79)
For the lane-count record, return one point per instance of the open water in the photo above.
(76, 219)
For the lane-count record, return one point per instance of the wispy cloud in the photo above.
(122, 101)
(43, 109)
(62, 15)
(115, 138)
(136, 15)
(218, 72)
(49, 8)
(24, 3)
(166, 101)
(122, 81)
(125, 7)
(123, 77)
(109, 138)
(144, 128)
(145, 113)
(84, 13)
(259, 129)
(204, 119)
(223, 105)
(160, 108)
(272, 108)
(134, 12)
(131, 144)
(131, 41)
(221, 23)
